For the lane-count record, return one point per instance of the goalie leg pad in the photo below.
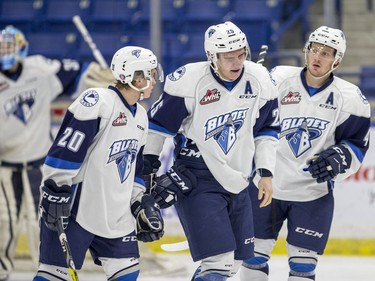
(9, 223)
(302, 263)
(126, 269)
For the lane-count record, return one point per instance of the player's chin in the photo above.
(234, 74)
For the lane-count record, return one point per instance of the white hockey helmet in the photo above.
(13, 47)
(127, 60)
(222, 38)
(330, 37)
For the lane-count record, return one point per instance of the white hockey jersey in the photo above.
(229, 127)
(336, 113)
(25, 110)
(99, 148)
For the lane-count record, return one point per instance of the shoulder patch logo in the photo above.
(210, 96)
(90, 98)
(177, 74)
(291, 98)
(121, 120)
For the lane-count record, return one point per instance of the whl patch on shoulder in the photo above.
(90, 98)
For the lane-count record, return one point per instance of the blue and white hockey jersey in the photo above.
(216, 127)
(336, 113)
(99, 148)
(25, 107)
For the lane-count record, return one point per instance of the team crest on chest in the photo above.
(210, 96)
(121, 120)
(21, 106)
(291, 98)
(123, 153)
(224, 128)
(300, 131)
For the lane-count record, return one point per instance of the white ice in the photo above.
(337, 268)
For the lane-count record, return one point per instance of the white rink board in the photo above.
(354, 200)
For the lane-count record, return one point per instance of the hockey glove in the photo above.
(150, 224)
(151, 166)
(55, 203)
(329, 163)
(176, 183)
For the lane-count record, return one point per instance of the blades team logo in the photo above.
(291, 98)
(21, 105)
(123, 153)
(121, 120)
(210, 96)
(300, 131)
(90, 98)
(136, 53)
(223, 128)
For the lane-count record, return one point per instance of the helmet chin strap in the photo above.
(216, 70)
(141, 90)
(328, 72)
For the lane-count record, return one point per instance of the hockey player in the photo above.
(28, 85)
(223, 115)
(96, 163)
(325, 123)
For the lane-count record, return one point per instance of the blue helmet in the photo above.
(13, 47)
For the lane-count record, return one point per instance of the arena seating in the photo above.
(122, 22)
(367, 81)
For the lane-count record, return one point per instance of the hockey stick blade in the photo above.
(66, 250)
(175, 247)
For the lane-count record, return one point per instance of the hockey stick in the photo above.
(66, 250)
(175, 247)
(262, 54)
(88, 39)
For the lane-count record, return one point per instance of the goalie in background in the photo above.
(325, 127)
(93, 175)
(28, 85)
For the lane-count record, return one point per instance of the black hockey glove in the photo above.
(330, 162)
(55, 203)
(151, 166)
(176, 183)
(150, 224)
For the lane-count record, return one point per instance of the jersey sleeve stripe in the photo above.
(61, 164)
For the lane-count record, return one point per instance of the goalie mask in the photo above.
(131, 59)
(13, 47)
(222, 38)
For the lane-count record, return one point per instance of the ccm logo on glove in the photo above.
(55, 199)
(177, 180)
